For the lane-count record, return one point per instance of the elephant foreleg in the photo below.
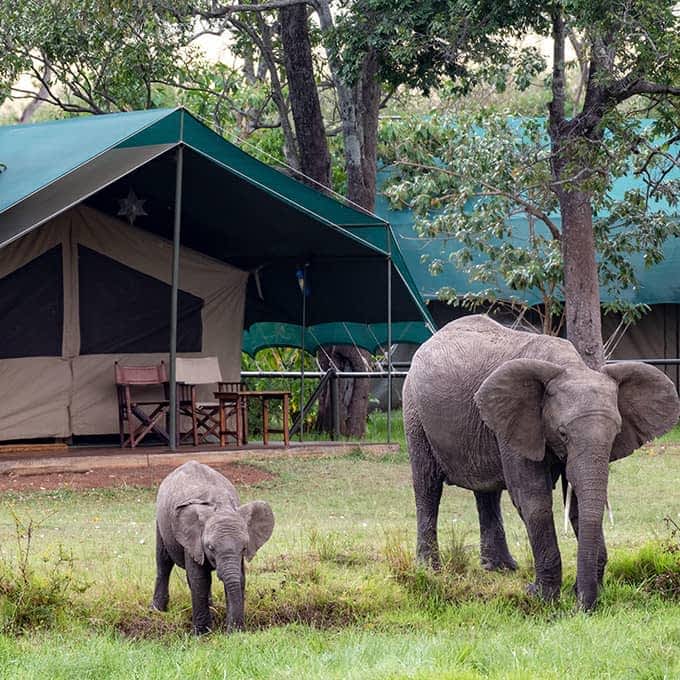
(200, 580)
(164, 564)
(530, 487)
(494, 552)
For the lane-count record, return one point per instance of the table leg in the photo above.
(265, 421)
(239, 420)
(286, 439)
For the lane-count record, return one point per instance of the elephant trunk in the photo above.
(235, 607)
(232, 577)
(589, 476)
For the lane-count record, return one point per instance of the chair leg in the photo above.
(131, 435)
(241, 421)
(223, 425)
(121, 426)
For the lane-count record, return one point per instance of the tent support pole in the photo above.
(302, 351)
(389, 336)
(172, 420)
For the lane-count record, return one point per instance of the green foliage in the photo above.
(424, 44)
(32, 598)
(282, 359)
(480, 185)
(96, 55)
(654, 568)
(641, 38)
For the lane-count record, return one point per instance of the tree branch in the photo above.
(628, 87)
(220, 12)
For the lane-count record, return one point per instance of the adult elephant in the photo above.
(487, 408)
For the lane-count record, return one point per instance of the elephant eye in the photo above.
(211, 547)
(561, 430)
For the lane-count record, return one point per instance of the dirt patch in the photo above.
(105, 478)
(150, 627)
(325, 615)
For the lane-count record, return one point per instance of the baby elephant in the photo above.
(201, 526)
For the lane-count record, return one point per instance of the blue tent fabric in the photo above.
(658, 283)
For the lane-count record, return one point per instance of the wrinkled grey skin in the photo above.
(201, 526)
(487, 408)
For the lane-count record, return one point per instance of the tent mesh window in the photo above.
(32, 308)
(124, 311)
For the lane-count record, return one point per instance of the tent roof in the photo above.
(658, 284)
(234, 208)
(40, 154)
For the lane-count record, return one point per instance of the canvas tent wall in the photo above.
(85, 290)
(228, 207)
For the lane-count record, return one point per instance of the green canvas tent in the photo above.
(656, 336)
(89, 206)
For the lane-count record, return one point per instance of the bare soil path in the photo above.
(101, 477)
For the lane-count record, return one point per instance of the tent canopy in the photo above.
(658, 284)
(234, 209)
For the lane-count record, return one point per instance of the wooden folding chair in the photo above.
(204, 415)
(147, 412)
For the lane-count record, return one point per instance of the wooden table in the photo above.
(238, 401)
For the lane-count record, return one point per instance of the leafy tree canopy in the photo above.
(480, 186)
(95, 55)
(432, 43)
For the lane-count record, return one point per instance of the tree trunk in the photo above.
(352, 394)
(361, 171)
(315, 160)
(569, 152)
(581, 284)
(267, 50)
(358, 106)
(368, 107)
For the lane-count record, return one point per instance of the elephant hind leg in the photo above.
(428, 482)
(164, 565)
(494, 552)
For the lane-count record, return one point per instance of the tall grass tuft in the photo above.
(452, 583)
(654, 568)
(32, 598)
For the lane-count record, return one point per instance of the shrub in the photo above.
(30, 598)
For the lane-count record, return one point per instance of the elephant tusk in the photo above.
(567, 507)
(609, 510)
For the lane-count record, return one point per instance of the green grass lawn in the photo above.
(334, 593)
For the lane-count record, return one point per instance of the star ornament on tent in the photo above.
(131, 206)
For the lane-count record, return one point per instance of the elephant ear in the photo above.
(648, 405)
(259, 519)
(189, 521)
(510, 402)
